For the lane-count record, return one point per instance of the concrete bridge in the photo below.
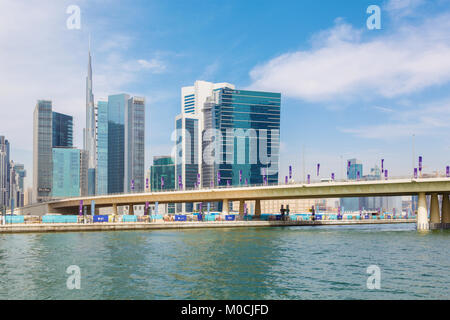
(396, 187)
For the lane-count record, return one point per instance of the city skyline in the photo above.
(363, 115)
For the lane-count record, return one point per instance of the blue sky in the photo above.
(346, 90)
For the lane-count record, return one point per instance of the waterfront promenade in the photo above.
(118, 226)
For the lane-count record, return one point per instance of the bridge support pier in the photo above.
(257, 208)
(435, 218)
(445, 216)
(131, 210)
(225, 206)
(241, 207)
(422, 212)
(115, 209)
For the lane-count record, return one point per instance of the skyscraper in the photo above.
(17, 176)
(190, 125)
(242, 128)
(42, 151)
(90, 130)
(4, 172)
(62, 130)
(66, 172)
(187, 151)
(134, 145)
(102, 148)
(162, 173)
(116, 142)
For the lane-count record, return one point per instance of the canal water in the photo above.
(325, 262)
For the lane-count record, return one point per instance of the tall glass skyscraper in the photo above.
(102, 148)
(42, 151)
(62, 130)
(4, 172)
(187, 151)
(245, 127)
(66, 172)
(134, 145)
(116, 142)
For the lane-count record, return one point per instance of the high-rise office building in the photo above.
(66, 172)
(116, 142)
(125, 150)
(134, 145)
(62, 130)
(243, 129)
(84, 163)
(162, 173)
(193, 99)
(354, 169)
(190, 125)
(187, 151)
(4, 172)
(354, 172)
(102, 148)
(90, 139)
(17, 176)
(42, 151)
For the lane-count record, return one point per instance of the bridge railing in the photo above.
(313, 181)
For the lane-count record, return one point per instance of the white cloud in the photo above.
(154, 65)
(423, 120)
(341, 66)
(402, 8)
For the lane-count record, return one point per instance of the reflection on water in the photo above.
(327, 262)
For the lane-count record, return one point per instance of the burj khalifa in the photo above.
(90, 131)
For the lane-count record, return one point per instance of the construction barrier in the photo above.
(59, 219)
(180, 218)
(100, 218)
(14, 219)
(129, 218)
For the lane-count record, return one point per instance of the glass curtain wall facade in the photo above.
(163, 168)
(66, 172)
(62, 130)
(135, 145)
(4, 172)
(42, 151)
(248, 149)
(102, 148)
(116, 142)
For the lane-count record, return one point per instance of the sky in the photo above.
(347, 91)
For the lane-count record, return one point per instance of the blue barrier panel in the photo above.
(103, 218)
(230, 217)
(180, 218)
(15, 219)
(128, 218)
(199, 217)
(367, 216)
(278, 217)
(318, 217)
